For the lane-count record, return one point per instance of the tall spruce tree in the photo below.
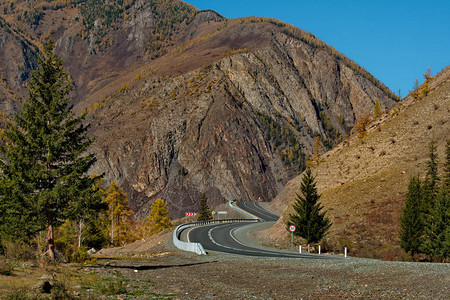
(44, 159)
(437, 225)
(436, 242)
(311, 223)
(411, 221)
(203, 210)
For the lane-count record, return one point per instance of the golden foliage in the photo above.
(377, 110)
(119, 214)
(361, 126)
(158, 218)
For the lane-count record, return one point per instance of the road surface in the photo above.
(222, 237)
(256, 209)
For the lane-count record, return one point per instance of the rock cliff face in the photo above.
(228, 108)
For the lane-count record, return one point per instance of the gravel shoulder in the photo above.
(182, 275)
(221, 276)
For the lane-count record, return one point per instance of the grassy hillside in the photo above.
(364, 181)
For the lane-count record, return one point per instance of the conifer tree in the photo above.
(120, 215)
(158, 218)
(411, 222)
(377, 110)
(437, 223)
(203, 210)
(446, 181)
(45, 164)
(311, 223)
(436, 238)
(430, 185)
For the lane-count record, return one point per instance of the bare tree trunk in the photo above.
(51, 242)
(112, 229)
(80, 228)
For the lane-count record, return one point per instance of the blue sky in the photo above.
(394, 40)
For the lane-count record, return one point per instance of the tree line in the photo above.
(425, 220)
(44, 181)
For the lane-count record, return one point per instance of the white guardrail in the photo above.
(197, 247)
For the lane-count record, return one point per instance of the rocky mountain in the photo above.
(184, 102)
(363, 182)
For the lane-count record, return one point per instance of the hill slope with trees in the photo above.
(364, 181)
(184, 102)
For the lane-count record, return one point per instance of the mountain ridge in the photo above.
(184, 102)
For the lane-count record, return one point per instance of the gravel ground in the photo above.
(175, 274)
(219, 276)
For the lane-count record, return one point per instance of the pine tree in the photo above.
(430, 185)
(44, 164)
(437, 223)
(204, 213)
(377, 110)
(311, 223)
(158, 218)
(435, 242)
(446, 180)
(120, 215)
(411, 222)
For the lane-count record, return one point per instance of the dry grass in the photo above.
(364, 181)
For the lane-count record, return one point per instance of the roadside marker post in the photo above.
(319, 249)
(345, 252)
(292, 229)
(300, 249)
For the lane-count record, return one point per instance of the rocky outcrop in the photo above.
(228, 108)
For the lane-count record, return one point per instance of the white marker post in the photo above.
(319, 249)
(300, 249)
(292, 229)
(345, 252)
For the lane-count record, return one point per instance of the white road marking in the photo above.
(260, 251)
(257, 208)
(187, 234)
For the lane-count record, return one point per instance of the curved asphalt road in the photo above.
(221, 237)
(256, 209)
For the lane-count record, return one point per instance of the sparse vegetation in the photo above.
(285, 142)
(361, 126)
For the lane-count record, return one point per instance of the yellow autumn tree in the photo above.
(158, 218)
(316, 156)
(376, 109)
(425, 88)
(361, 126)
(119, 215)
